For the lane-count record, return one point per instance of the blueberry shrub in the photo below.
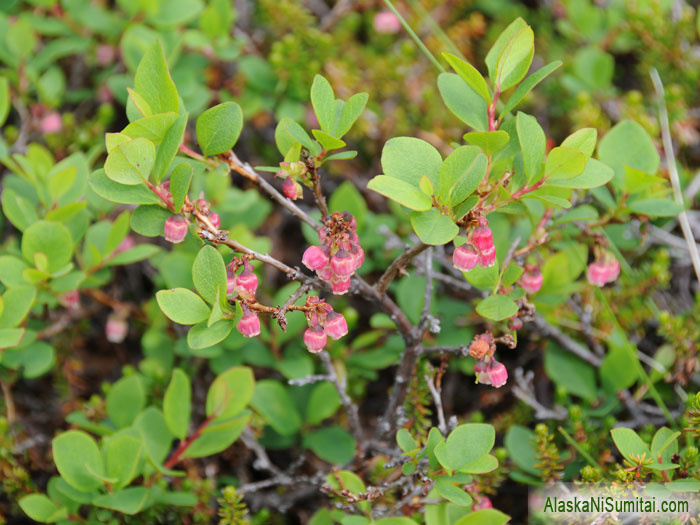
(213, 310)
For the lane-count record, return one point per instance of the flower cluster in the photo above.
(603, 270)
(478, 251)
(488, 371)
(340, 254)
(243, 285)
(291, 172)
(323, 323)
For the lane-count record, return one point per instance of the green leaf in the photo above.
(218, 128)
(177, 404)
(519, 444)
(117, 232)
(149, 220)
(628, 144)
(273, 402)
(20, 211)
(217, 436)
(432, 227)
(169, 147)
(401, 192)
(481, 465)
(137, 253)
(283, 139)
(352, 110)
(323, 403)
(180, 184)
(533, 144)
(153, 127)
(128, 501)
(230, 392)
(51, 239)
(408, 159)
(570, 372)
(120, 193)
(655, 207)
(125, 400)
(470, 75)
(528, 85)
(157, 437)
(494, 54)
(10, 337)
(122, 456)
(489, 141)
(323, 102)
(11, 270)
(18, 301)
(448, 490)
(618, 370)
(153, 82)
(37, 359)
(405, 440)
(664, 445)
(497, 307)
(583, 140)
(61, 181)
(131, 162)
(76, 455)
(327, 141)
(564, 163)
(637, 181)
(594, 174)
(182, 306)
(209, 273)
(4, 99)
(40, 508)
(484, 517)
(629, 443)
(332, 444)
(465, 444)
(463, 102)
(581, 213)
(294, 130)
(203, 336)
(461, 173)
(514, 62)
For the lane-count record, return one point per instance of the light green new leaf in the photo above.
(655, 207)
(122, 455)
(497, 307)
(628, 144)
(484, 517)
(180, 184)
(153, 127)
(352, 110)
(401, 192)
(119, 193)
(230, 392)
(76, 455)
(323, 102)
(515, 60)
(494, 54)
(131, 162)
(4, 99)
(463, 101)
(218, 128)
(40, 508)
(489, 141)
(564, 163)
(528, 85)
(169, 147)
(630, 445)
(128, 501)
(533, 144)
(125, 400)
(51, 239)
(594, 174)
(470, 75)
(203, 336)
(460, 174)
(209, 273)
(583, 140)
(182, 306)
(409, 158)
(217, 436)
(448, 490)
(432, 227)
(154, 83)
(327, 141)
(177, 404)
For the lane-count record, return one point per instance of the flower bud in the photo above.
(249, 325)
(597, 273)
(247, 280)
(482, 238)
(531, 281)
(479, 346)
(126, 244)
(340, 286)
(51, 123)
(465, 258)
(498, 375)
(315, 258)
(315, 339)
(482, 503)
(116, 329)
(487, 258)
(358, 256)
(386, 22)
(175, 229)
(214, 219)
(343, 264)
(613, 269)
(292, 189)
(515, 323)
(335, 326)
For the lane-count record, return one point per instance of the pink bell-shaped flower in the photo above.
(315, 257)
(249, 325)
(315, 339)
(335, 326)
(175, 229)
(465, 258)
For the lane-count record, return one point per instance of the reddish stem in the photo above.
(184, 445)
(493, 125)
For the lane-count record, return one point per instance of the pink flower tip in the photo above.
(335, 326)
(315, 339)
(465, 258)
(343, 264)
(487, 258)
(386, 22)
(482, 238)
(315, 258)
(70, 300)
(340, 286)
(214, 219)
(116, 329)
(249, 325)
(292, 189)
(51, 123)
(482, 503)
(175, 229)
(247, 281)
(531, 281)
(597, 273)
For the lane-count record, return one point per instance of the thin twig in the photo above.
(462, 350)
(341, 387)
(398, 265)
(426, 320)
(548, 330)
(435, 392)
(673, 172)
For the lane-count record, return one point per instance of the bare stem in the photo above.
(341, 387)
(397, 266)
